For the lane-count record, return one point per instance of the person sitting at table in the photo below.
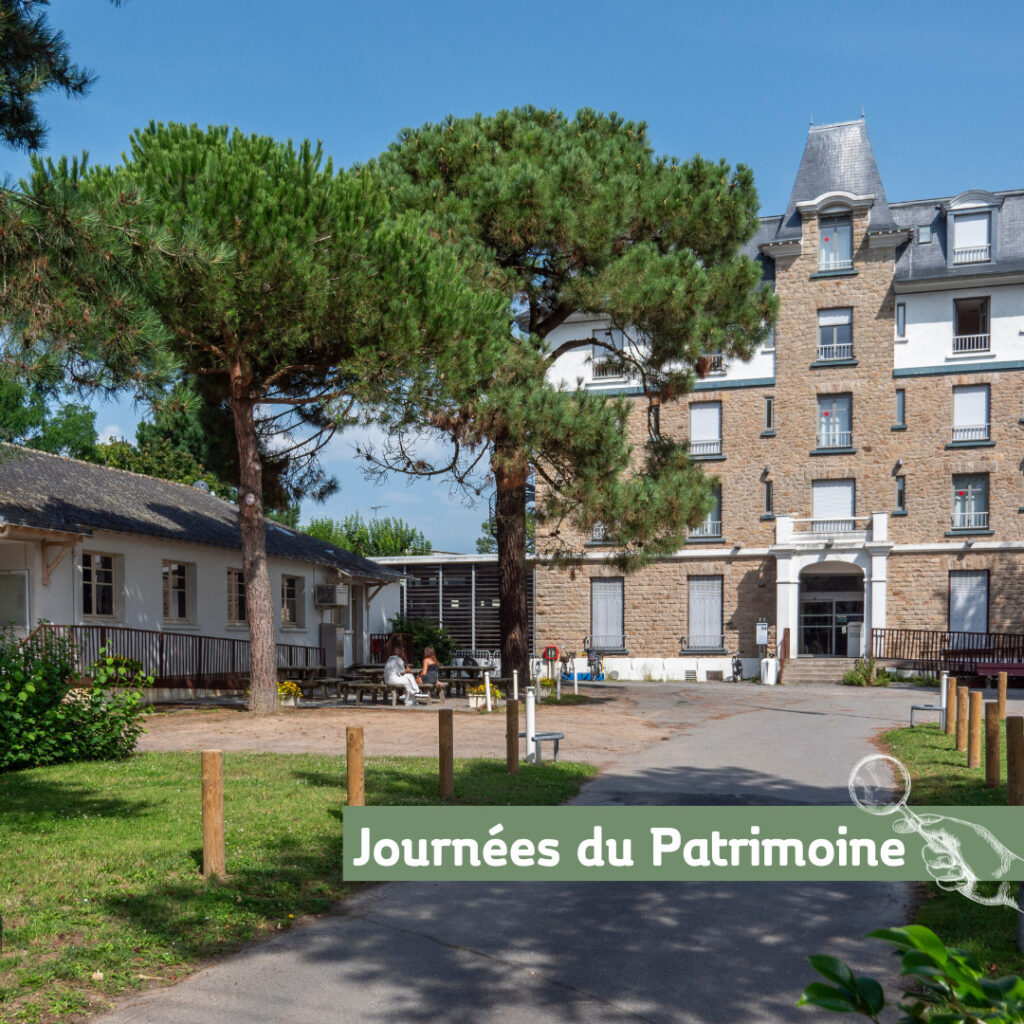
(395, 674)
(428, 677)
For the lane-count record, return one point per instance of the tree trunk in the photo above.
(510, 522)
(258, 600)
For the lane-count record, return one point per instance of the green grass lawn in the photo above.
(941, 778)
(99, 863)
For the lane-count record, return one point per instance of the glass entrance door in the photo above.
(825, 625)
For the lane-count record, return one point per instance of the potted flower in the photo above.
(478, 696)
(288, 693)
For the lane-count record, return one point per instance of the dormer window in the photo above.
(972, 237)
(835, 243)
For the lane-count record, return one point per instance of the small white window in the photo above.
(177, 591)
(98, 585)
(237, 605)
(610, 340)
(971, 413)
(972, 238)
(901, 319)
(835, 249)
(835, 421)
(924, 234)
(835, 334)
(293, 605)
(706, 428)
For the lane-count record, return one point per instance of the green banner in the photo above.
(959, 845)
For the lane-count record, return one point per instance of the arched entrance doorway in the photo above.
(831, 610)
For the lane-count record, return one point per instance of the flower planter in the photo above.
(289, 702)
(477, 700)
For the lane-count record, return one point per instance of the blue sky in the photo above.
(738, 80)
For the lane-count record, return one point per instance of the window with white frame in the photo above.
(98, 585)
(238, 612)
(712, 525)
(706, 428)
(972, 237)
(970, 501)
(293, 603)
(971, 413)
(176, 583)
(835, 421)
(609, 340)
(704, 613)
(833, 506)
(971, 325)
(901, 319)
(835, 334)
(835, 245)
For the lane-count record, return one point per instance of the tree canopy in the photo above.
(307, 300)
(379, 536)
(565, 215)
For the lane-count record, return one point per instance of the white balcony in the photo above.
(716, 363)
(817, 531)
(975, 432)
(706, 447)
(972, 254)
(835, 439)
(607, 368)
(971, 342)
(829, 353)
(825, 263)
(709, 528)
(970, 520)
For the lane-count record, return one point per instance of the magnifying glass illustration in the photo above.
(880, 785)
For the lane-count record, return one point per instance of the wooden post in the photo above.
(977, 700)
(212, 766)
(961, 718)
(446, 753)
(512, 737)
(992, 769)
(1015, 760)
(1001, 695)
(354, 766)
(950, 705)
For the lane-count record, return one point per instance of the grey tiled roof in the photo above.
(55, 493)
(922, 261)
(837, 158)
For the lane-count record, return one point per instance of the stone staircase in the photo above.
(816, 670)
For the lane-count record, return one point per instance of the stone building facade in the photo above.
(870, 456)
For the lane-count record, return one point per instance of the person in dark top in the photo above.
(428, 677)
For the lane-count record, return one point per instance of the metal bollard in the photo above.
(515, 684)
(487, 689)
(943, 693)
(531, 725)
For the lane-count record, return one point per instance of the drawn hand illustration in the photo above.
(957, 853)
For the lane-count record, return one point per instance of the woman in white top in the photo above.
(395, 674)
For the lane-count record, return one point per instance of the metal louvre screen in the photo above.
(968, 602)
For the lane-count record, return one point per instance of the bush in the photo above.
(866, 673)
(46, 720)
(949, 985)
(425, 634)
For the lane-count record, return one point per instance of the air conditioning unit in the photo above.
(331, 595)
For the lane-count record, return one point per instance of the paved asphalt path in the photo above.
(541, 953)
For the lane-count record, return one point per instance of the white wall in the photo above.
(929, 331)
(139, 585)
(384, 606)
(576, 364)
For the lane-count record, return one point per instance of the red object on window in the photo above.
(960, 494)
(826, 238)
(826, 414)
(551, 654)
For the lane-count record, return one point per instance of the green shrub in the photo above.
(949, 985)
(866, 673)
(44, 719)
(425, 634)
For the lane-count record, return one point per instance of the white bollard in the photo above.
(515, 684)
(943, 681)
(575, 678)
(531, 725)
(558, 686)
(487, 689)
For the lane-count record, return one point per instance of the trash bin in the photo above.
(769, 671)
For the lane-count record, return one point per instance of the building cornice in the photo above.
(888, 239)
(829, 201)
(781, 247)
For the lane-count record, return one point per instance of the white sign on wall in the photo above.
(762, 634)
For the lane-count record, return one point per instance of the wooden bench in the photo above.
(1013, 669)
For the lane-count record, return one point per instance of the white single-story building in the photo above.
(153, 569)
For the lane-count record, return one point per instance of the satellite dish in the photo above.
(202, 485)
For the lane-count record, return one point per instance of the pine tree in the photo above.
(567, 214)
(309, 298)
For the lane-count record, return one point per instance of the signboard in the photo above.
(762, 634)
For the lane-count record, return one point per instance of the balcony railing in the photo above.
(972, 254)
(975, 432)
(709, 528)
(831, 263)
(706, 447)
(971, 342)
(716, 362)
(819, 526)
(835, 439)
(970, 520)
(607, 368)
(841, 350)
(702, 642)
(605, 642)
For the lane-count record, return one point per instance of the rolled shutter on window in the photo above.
(706, 421)
(705, 611)
(968, 601)
(833, 499)
(970, 230)
(970, 406)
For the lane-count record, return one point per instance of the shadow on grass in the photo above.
(41, 799)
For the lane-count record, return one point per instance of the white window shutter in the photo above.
(606, 612)
(970, 230)
(705, 611)
(832, 499)
(834, 317)
(968, 602)
(970, 406)
(706, 421)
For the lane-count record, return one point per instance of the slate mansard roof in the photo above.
(51, 492)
